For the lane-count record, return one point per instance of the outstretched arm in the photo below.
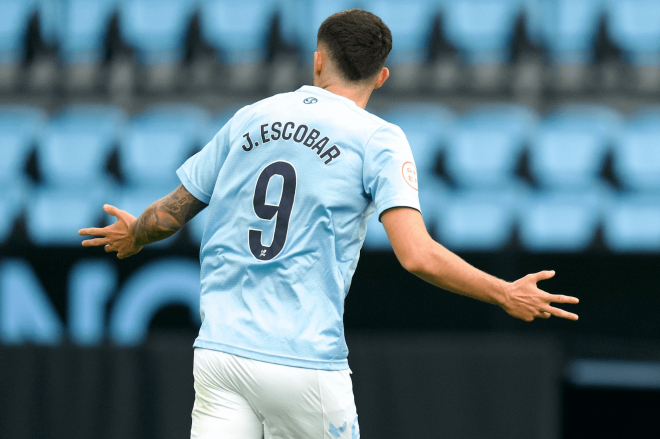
(430, 261)
(160, 220)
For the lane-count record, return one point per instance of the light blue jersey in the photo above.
(291, 182)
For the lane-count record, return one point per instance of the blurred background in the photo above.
(535, 126)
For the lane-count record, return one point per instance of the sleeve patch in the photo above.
(409, 173)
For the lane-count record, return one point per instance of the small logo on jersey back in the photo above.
(310, 100)
(409, 173)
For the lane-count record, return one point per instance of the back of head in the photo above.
(357, 42)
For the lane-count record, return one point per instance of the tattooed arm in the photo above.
(159, 221)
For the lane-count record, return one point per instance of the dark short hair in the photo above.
(358, 42)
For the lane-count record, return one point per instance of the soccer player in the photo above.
(290, 183)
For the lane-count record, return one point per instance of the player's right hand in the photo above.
(117, 237)
(525, 301)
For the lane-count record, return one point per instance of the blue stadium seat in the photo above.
(563, 221)
(196, 227)
(158, 142)
(10, 208)
(486, 144)
(76, 145)
(13, 29)
(55, 216)
(637, 155)
(156, 28)
(634, 28)
(478, 220)
(411, 26)
(481, 29)
(19, 128)
(570, 146)
(216, 123)
(301, 19)
(570, 28)
(83, 28)
(239, 30)
(632, 224)
(426, 126)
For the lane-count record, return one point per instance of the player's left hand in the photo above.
(525, 301)
(117, 237)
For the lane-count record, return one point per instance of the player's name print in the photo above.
(301, 134)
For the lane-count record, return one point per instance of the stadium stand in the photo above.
(156, 28)
(632, 224)
(83, 30)
(637, 156)
(13, 29)
(485, 146)
(569, 148)
(634, 28)
(237, 30)
(73, 153)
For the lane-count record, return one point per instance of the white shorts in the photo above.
(239, 398)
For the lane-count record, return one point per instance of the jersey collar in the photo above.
(323, 92)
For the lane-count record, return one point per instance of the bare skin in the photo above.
(425, 258)
(160, 220)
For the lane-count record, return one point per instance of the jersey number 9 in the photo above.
(268, 211)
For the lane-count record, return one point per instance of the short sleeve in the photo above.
(390, 175)
(200, 172)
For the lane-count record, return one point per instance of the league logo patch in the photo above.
(409, 173)
(310, 100)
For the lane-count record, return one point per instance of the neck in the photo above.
(359, 95)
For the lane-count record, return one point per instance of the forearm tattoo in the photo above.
(166, 216)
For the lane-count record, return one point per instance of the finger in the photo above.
(542, 275)
(563, 299)
(95, 242)
(92, 231)
(108, 248)
(544, 315)
(111, 210)
(561, 313)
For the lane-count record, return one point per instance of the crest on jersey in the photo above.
(310, 100)
(409, 173)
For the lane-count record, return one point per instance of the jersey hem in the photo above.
(396, 202)
(190, 187)
(271, 358)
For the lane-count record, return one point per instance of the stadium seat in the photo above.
(158, 141)
(570, 146)
(14, 21)
(54, 216)
(196, 227)
(301, 19)
(637, 155)
(411, 27)
(570, 28)
(485, 147)
(481, 29)
(426, 126)
(563, 221)
(19, 128)
(632, 224)
(83, 28)
(239, 30)
(75, 147)
(216, 123)
(634, 28)
(156, 28)
(478, 220)
(10, 207)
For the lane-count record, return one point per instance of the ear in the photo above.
(318, 62)
(382, 77)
